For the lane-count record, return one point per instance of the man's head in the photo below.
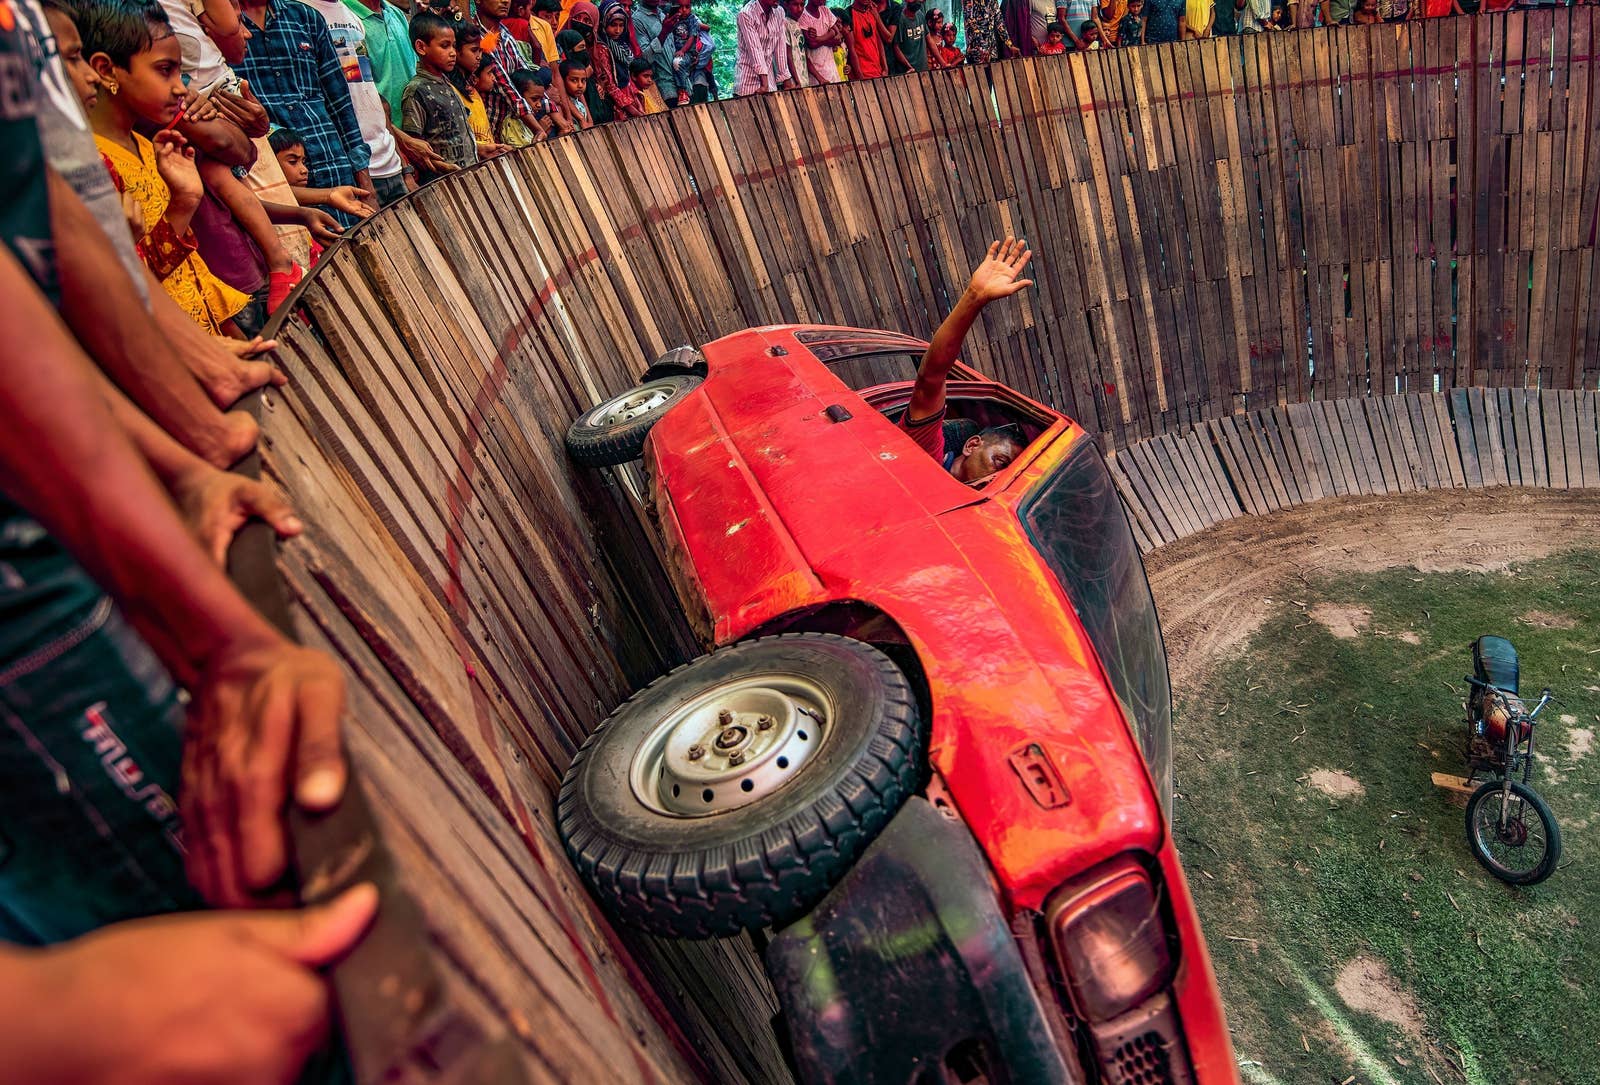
(990, 451)
(495, 9)
(768, 5)
(542, 8)
(434, 39)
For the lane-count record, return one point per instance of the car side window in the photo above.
(1075, 520)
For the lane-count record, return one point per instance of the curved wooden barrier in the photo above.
(1183, 482)
(1238, 241)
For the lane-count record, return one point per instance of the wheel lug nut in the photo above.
(736, 757)
(696, 752)
(765, 723)
(724, 717)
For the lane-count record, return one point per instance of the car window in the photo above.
(1075, 520)
(859, 371)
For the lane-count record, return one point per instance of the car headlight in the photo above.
(1110, 940)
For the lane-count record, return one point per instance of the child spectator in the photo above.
(794, 43)
(911, 38)
(1089, 35)
(1108, 17)
(868, 41)
(541, 24)
(1366, 13)
(949, 55)
(1055, 41)
(642, 77)
(543, 114)
(430, 108)
(474, 80)
(583, 19)
(290, 149)
(822, 34)
(1281, 19)
(134, 54)
(692, 49)
(575, 77)
(619, 54)
(1198, 17)
(1130, 30)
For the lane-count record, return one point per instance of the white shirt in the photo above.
(795, 44)
(203, 62)
(763, 53)
(822, 64)
(350, 42)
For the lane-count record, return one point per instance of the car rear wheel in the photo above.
(613, 433)
(735, 791)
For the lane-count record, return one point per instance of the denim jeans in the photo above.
(90, 749)
(389, 189)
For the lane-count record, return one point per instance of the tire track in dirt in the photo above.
(1212, 588)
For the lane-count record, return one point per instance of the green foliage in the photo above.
(719, 16)
(1292, 884)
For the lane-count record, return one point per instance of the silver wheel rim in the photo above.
(733, 744)
(1513, 857)
(630, 405)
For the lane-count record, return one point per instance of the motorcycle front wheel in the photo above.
(1525, 847)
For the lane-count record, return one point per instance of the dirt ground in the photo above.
(1214, 589)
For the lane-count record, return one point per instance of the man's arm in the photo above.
(115, 327)
(995, 277)
(263, 707)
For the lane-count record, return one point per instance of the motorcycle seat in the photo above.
(1494, 660)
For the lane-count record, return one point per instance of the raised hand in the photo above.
(175, 163)
(996, 277)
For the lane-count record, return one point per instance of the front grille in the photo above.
(1144, 1047)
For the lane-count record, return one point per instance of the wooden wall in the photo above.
(1197, 211)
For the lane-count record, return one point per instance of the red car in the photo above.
(931, 748)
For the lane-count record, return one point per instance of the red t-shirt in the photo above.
(927, 432)
(867, 57)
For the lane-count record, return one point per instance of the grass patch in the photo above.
(1352, 931)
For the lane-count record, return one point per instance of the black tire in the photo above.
(609, 434)
(769, 860)
(1482, 838)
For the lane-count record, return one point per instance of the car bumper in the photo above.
(909, 965)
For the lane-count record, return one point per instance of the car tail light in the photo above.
(1110, 941)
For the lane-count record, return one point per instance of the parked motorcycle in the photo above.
(1509, 827)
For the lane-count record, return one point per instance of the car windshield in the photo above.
(1075, 520)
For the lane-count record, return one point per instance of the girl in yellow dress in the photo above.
(135, 54)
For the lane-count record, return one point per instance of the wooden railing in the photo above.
(1225, 230)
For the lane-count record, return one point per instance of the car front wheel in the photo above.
(734, 792)
(613, 433)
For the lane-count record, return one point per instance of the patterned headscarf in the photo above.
(622, 49)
